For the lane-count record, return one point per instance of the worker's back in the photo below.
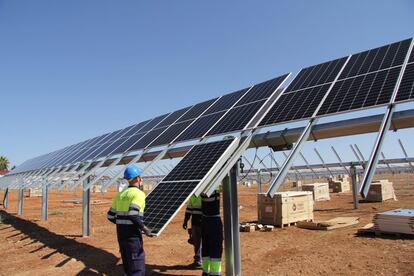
(129, 202)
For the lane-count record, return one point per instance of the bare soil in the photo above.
(29, 246)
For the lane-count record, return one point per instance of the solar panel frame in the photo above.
(406, 89)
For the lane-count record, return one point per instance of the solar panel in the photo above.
(196, 110)
(376, 59)
(175, 189)
(198, 161)
(406, 89)
(362, 91)
(171, 133)
(147, 139)
(154, 122)
(304, 94)
(200, 126)
(411, 59)
(226, 101)
(173, 117)
(295, 105)
(122, 145)
(316, 75)
(262, 90)
(237, 118)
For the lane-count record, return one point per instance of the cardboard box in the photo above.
(285, 208)
(320, 191)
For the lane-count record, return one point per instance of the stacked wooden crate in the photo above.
(380, 190)
(31, 192)
(340, 184)
(285, 208)
(395, 221)
(320, 191)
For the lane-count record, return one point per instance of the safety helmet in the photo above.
(132, 171)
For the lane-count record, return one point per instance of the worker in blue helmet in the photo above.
(127, 212)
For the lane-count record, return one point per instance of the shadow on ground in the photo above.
(96, 260)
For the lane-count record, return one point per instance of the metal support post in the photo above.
(323, 161)
(355, 187)
(405, 154)
(360, 152)
(373, 160)
(384, 159)
(44, 202)
(289, 160)
(86, 209)
(231, 224)
(20, 201)
(297, 173)
(340, 160)
(357, 156)
(307, 164)
(6, 199)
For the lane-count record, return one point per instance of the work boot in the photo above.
(197, 264)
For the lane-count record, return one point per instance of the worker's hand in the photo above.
(185, 225)
(147, 231)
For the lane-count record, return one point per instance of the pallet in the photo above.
(370, 230)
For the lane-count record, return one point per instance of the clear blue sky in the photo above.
(71, 70)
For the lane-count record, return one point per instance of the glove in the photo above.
(147, 231)
(185, 225)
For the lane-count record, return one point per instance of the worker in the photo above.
(193, 211)
(127, 212)
(211, 234)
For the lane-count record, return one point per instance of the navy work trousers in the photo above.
(133, 256)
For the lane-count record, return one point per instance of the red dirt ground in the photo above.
(29, 246)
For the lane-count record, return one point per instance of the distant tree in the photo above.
(4, 163)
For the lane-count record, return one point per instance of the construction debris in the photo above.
(339, 222)
(253, 226)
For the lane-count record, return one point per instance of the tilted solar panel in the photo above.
(406, 89)
(173, 117)
(361, 91)
(226, 101)
(200, 126)
(171, 133)
(262, 90)
(302, 97)
(175, 189)
(196, 110)
(376, 59)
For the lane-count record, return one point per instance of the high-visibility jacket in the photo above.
(194, 210)
(127, 212)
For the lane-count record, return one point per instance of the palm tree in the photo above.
(4, 163)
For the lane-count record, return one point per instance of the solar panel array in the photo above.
(304, 94)
(174, 190)
(182, 125)
(406, 89)
(368, 79)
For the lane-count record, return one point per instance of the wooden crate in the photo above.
(30, 192)
(380, 191)
(339, 186)
(320, 191)
(285, 208)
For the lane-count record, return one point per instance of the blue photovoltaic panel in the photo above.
(173, 117)
(237, 118)
(154, 122)
(122, 145)
(376, 59)
(171, 133)
(362, 91)
(226, 101)
(166, 199)
(147, 139)
(317, 75)
(406, 89)
(196, 110)
(262, 90)
(199, 160)
(200, 126)
(295, 105)
(411, 59)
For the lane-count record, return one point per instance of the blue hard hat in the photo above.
(132, 171)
